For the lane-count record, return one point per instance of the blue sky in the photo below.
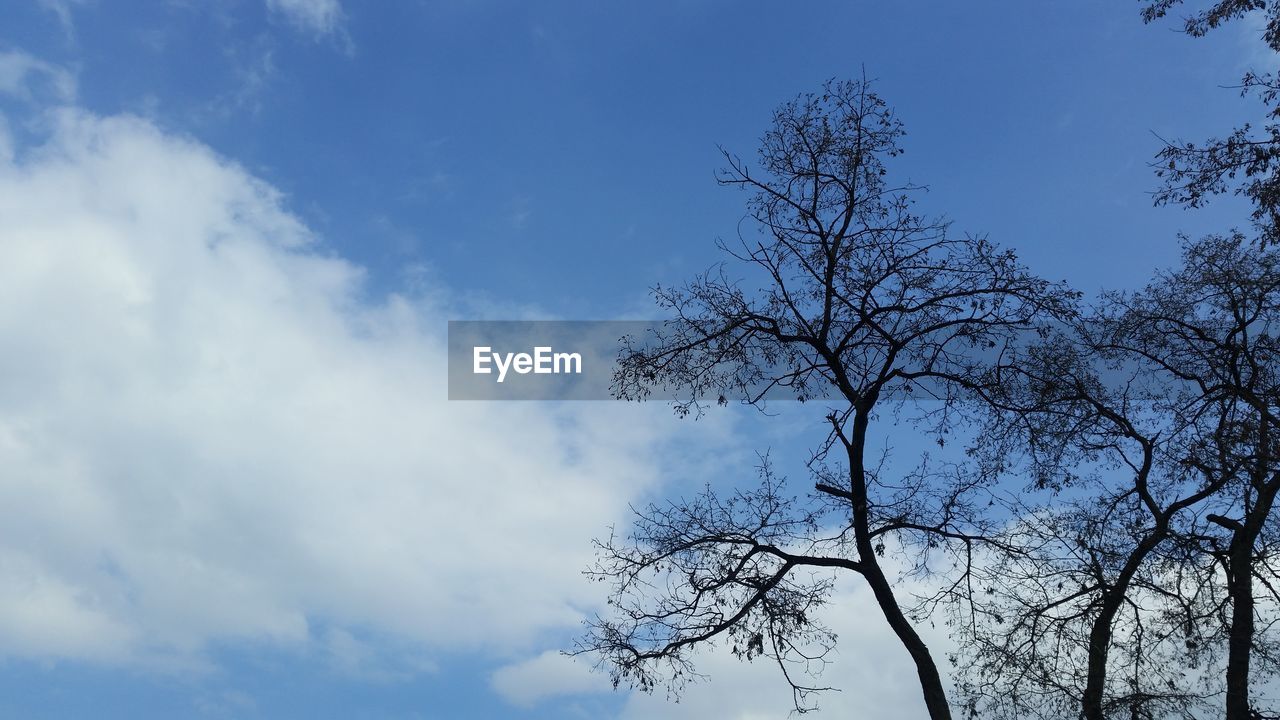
(232, 234)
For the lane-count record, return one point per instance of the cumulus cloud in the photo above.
(317, 17)
(210, 434)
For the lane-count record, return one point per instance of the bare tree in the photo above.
(1218, 315)
(1247, 162)
(1148, 428)
(1058, 623)
(860, 302)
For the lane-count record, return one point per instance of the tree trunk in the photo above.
(1240, 637)
(1240, 589)
(1099, 648)
(1091, 703)
(935, 694)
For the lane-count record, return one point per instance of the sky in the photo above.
(231, 236)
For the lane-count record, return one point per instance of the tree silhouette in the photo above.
(1245, 161)
(860, 302)
(1147, 429)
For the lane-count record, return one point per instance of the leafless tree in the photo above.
(855, 302)
(1147, 430)
(1056, 624)
(1218, 315)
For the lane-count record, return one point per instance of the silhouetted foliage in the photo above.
(1213, 14)
(1245, 161)
(861, 302)
(1148, 427)
(1104, 545)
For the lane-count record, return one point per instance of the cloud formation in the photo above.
(317, 17)
(544, 676)
(210, 434)
(871, 674)
(28, 78)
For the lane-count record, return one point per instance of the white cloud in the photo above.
(550, 674)
(62, 10)
(871, 671)
(254, 68)
(208, 435)
(872, 675)
(318, 17)
(30, 79)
